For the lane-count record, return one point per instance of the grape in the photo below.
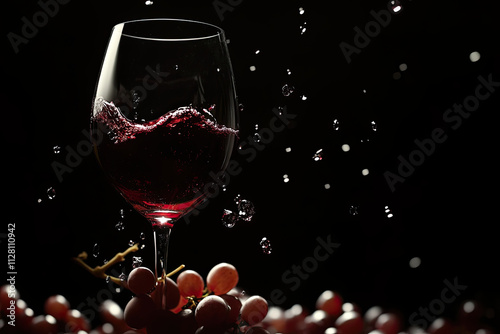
(56, 306)
(171, 294)
(349, 322)
(76, 321)
(234, 308)
(257, 330)
(44, 324)
(222, 278)
(371, 316)
(162, 321)
(211, 311)
(187, 322)
(441, 326)
(389, 323)
(317, 322)
(275, 318)
(330, 302)
(138, 311)
(112, 313)
(190, 284)
(254, 310)
(141, 280)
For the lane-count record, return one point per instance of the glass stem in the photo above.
(162, 237)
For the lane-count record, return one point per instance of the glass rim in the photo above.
(218, 30)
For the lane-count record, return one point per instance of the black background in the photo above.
(445, 212)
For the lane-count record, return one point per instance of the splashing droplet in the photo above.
(108, 279)
(149, 3)
(287, 90)
(303, 28)
(318, 155)
(374, 126)
(265, 243)
(396, 6)
(122, 277)
(241, 106)
(286, 179)
(365, 172)
(143, 236)
(256, 137)
(301, 11)
(354, 210)
(51, 193)
(229, 218)
(96, 250)
(131, 242)
(246, 210)
(288, 71)
(388, 212)
(56, 149)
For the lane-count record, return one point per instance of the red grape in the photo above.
(190, 284)
(257, 330)
(57, 306)
(441, 326)
(275, 318)
(371, 316)
(138, 311)
(211, 311)
(141, 280)
(330, 302)
(350, 322)
(76, 321)
(234, 308)
(187, 321)
(171, 294)
(162, 321)
(222, 278)
(389, 323)
(44, 324)
(254, 310)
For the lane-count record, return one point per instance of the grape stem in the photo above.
(100, 271)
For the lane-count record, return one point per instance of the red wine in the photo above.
(161, 166)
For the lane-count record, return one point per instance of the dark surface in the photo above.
(445, 211)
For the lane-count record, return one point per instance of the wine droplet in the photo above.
(120, 226)
(143, 236)
(51, 193)
(287, 90)
(229, 218)
(136, 261)
(265, 244)
(318, 155)
(131, 242)
(246, 210)
(336, 124)
(96, 250)
(354, 210)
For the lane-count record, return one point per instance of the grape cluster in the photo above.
(334, 316)
(189, 306)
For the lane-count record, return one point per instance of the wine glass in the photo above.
(164, 118)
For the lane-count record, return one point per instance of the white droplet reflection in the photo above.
(327, 186)
(252, 68)
(257, 52)
(403, 67)
(288, 149)
(415, 262)
(346, 148)
(301, 11)
(365, 172)
(149, 3)
(286, 179)
(474, 56)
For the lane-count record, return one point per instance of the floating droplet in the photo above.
(108, 279)
(120, 226)
(286, 179)
(396, 6)
(318, 155)
(336, 124)
(252, 68)
(301, 11)
(256, 137)
(229, 218)
(374, 125)
(303, 28)
(265, 243)
(327, 186)
(403, 67)
(365, 172)
(346, 148)
(96, 250)
(288, 149)
(241, 106)
(257, 52)
(136, 261)
(149, 3)
(353, 210)
(388, 212)
(246, 210)
(122, 277)
(287, 90)
(143, 236)
(288, 71)
(51, 193)
(303, 97)
(56, 149)
(474, 56)
(415, 262)
(131, 242)
(237, 199)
